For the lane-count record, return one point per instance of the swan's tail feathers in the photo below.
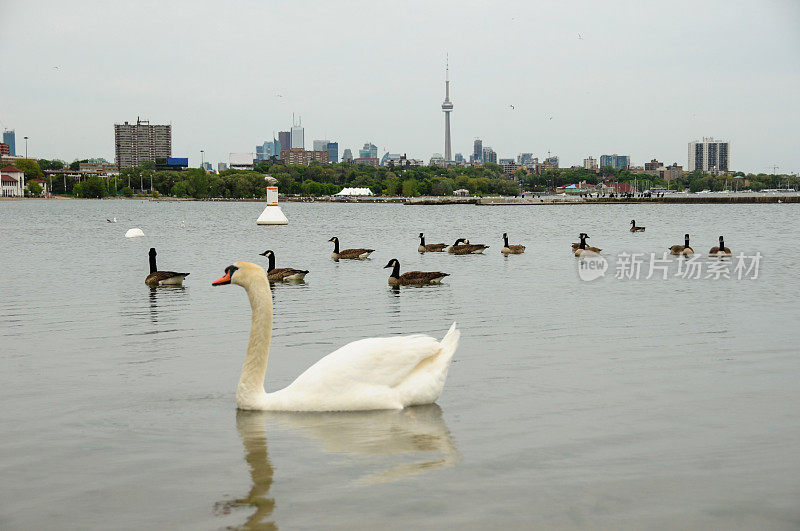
(449, 344)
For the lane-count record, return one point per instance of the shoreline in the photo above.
(478, 201)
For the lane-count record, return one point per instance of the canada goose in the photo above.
(720, 250)
(463, 246)
(583, 248)
(348, 254)
(431, 247)
(634, 228)
(162, 278)
(284, 273)
(684, 249)
(373, 373)
(511, 249)
(113, 220)
(413, 278)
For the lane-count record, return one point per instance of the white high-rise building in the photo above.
(590, 163)
(713, 156)
(298, 141)
(321, 145)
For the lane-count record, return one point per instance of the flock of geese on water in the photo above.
(461, 246)
(368, 374)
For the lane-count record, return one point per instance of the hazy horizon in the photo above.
(584, 79)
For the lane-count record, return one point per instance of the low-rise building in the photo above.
(303, 157)
(653, 165)
(241, 161)
(12, 182)
(670, 173)
(509, 166)
(370, 161)
(590, 163)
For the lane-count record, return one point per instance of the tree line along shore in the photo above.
(318, 180)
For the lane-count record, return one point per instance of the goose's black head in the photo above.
(421, 235)
(505, 235)
(392, 263)
(267, 253)
(334, 239)
(633, 222)
(152, 251)
(460, 240)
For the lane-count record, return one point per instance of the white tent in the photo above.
(355, 191)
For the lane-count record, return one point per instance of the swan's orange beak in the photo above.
(225, 279)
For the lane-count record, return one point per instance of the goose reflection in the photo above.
(165, 292)
(409, 442)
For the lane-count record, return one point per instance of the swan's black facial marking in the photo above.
(226, 279)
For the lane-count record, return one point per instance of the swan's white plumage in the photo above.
(374, 373)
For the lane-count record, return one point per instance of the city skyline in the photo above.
(533, 86)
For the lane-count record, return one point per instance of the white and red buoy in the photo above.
(272, 214)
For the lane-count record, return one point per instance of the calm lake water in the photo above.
(614, 403)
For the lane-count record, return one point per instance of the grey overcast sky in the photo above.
(644, 78)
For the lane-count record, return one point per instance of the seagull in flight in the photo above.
(511, 106)
(580, 37)
(550, 117)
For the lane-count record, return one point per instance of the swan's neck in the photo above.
(153, 267)
(251, 382)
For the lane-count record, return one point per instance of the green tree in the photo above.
(34, 188)
(94, 187)
(30, 167)
(127, 191)
(410, 188)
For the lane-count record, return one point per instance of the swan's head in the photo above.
(334, 239)
(241, 273)
(392, 263)
(267, 253)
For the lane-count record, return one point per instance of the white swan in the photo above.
(374, 373)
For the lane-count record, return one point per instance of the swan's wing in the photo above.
(379, 361)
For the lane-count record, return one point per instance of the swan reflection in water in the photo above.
(417, 435)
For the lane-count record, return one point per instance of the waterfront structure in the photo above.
(12, 182)
(477, 151)
(9, 138)
(284, 140)
(709, 155)
(488, 155)
(370, 161)
(590, 163)
(333, 152)
(347, 155)
(298, 139)
(369, 151)
(136, 143)
(301, 156)
(268, 149)
(447, 108)
(619, 162)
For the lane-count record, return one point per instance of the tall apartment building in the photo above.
(477, 151)
(333, 152)
(590, 163)
(285, 139)
(619, 162)
(347, 155)
(268, 149)
(301, 156)
(136, 143)
(369, 151)
(298, 138)
(709, 155)
(488, 155)
(9, 138)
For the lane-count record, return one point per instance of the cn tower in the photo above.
(447, 108)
